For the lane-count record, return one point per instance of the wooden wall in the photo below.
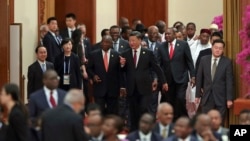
(148, 11)
(84, 10)
(4, 44)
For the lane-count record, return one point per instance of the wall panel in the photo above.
(85, 11)
(149, 11)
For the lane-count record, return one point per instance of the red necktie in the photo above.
(52, 100)
(135, 57)
(105, 59)
(171, 52)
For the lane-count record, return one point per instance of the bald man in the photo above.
(104, 69)
(153, 45)
(123, 22)
(162, 27)
(216, 122)
(203, 130)
(64, 123)
(165, 114)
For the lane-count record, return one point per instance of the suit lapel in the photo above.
(100, 56)
(111, 59)
(39, 66)
(120, 46)
(44, 99)
(141, 56)
(176, 48)
(167, 50)
(219, 67)
(60, 98)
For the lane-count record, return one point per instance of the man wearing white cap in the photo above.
(213, 28)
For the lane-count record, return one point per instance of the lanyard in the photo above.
(65, 66)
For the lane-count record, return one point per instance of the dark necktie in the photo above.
(135, 57)
(214, 69)
(52, 100)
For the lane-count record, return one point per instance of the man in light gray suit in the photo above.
(214, 79)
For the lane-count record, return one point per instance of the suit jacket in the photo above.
(140, 77)
(35, 76)
(110, 84)
(123, 46)
(64, 33)
(177, 68)
(38, 103)
(3, 131)
(157, 45)
(175, 138)
(53, 48)
(216, 135)
(170, 130)
(134, 136)
(88, 47)
(75, 74)
(96, 46)
(62, 124)
(221, 88)
(17, 129)
(202, 53)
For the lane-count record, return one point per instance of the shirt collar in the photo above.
(71, 29)
(138, 49)
(173, 42)
(199, 137)
(118, 41)
(218, 58)
(107, 51)
(142, 135)
(219, 130)
(99, 138)
(40, 62)
(186, 139)
(162, 126)
(52, 33)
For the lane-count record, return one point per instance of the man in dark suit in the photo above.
(36, 70)
(42, 99)
(153, 45)
(85, 41)
(176, 61)
(214, 36)
(104, 32)
(119, 45)
(94, 124)
(64, 122)
(216, 123)
(164, 126)
(51, 41)
(202, 129)
(70, 20)
(104, 70)
(215, 81)
(137, 63)
(183, 130)
(145, 132)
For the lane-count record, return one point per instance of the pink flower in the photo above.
(218, 20)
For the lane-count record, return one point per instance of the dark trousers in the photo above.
(176, 96)
(154, 102)
(86, 91)
(138, 105)
(210, 104)
(108, 104)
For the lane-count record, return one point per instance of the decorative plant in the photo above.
(243, 58)
(218, 20)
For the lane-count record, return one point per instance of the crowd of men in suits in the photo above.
(142, 81)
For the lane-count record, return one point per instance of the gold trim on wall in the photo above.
(231, 26)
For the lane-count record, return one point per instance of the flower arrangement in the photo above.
(218, 20)
(243, 58)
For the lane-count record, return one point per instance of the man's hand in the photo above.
(165, 87)
(197, 100)
(97, 79)
(122, 60)
(123, 92)
(154, 85)
(208, 136)
(192, 81)
(229, 104)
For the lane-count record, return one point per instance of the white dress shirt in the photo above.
(47, 94)
(70, 31)
(99, 138)
(138, 52)
(173, 42)
(103, 53)
(212, 62)
(41, 64)
(162, 127)
(199, 137)
(144, 137)
(116, 47)
(150, 44)
(188, 138)
(196, 48)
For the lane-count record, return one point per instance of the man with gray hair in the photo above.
(64, 123)
(43, 31)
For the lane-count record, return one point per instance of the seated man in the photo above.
(95, 127)
(203, 130)
(216, 123)
(244, 117)
(183, 130)
(145, 132)
(164, 114)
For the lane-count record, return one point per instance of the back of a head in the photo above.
(74, 96)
